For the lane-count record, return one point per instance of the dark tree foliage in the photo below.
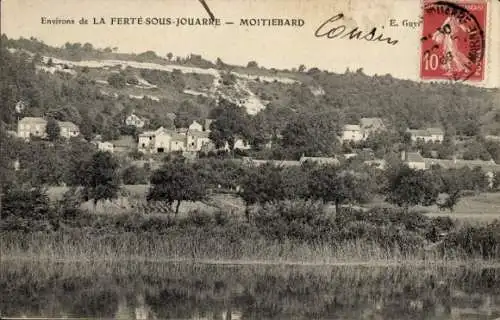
(231, 123)
(117, 80)
(339, 185)
(312, 134)
(99, 177)
(53, 130)
(176, 181)
(134, 175)
(409, 187)
(25, 203)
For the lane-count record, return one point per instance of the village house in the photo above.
(320, 160)
(366, 127)
(426, 135)
(134, 120)
(352, 132)
(197, 140)
(105, 146)
(242, 145)
(178, 142)
(146, 140)
(31, 127)
(414, 160)
(292, 163)
(68, 129)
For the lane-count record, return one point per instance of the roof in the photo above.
(124, 141)
(414, 157)
(320, 160)
(33, 120)
(435, 131)
(371, 123)
(67, 124)
(352, 127)
(460, 163)
(284, 163)
(147, 134)
(178, 136)
(419, 133)
(426, 132)
(198, 134)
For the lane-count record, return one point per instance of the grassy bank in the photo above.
(279, 233)
(163, 248)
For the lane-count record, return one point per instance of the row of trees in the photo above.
(184, 181)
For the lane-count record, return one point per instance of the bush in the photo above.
(134, 175)
(31, 204)
(295, 220)
(481, 240)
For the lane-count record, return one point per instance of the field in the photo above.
(484, 207)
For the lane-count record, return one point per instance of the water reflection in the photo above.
(176, 291)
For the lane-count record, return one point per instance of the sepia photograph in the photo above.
(249, 159)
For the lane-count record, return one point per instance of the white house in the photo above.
(133, 120)
(414, 160)
(178, 142)
(426, 135)
(352, 132)
(68, 129)
(242, 145)
(105, 146)
(196, 140)
(146, 141)
(31, 126)
(162, 141)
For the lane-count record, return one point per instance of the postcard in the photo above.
(249, 159)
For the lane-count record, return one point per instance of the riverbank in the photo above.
(287, 233)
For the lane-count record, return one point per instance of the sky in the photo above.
(279, 47)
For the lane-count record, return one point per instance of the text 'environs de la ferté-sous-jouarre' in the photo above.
(175, 21)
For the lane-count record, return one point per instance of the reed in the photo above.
(197, 248)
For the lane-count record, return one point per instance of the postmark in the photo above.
(453, 40)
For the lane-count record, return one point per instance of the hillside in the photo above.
(97, 88)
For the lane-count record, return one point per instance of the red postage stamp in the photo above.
(453, 40)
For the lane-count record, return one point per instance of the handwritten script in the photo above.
(331, 30)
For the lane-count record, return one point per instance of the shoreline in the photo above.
(477, 263)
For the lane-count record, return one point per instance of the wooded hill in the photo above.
(97, 98)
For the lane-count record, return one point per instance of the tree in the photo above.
(262, 184)
(312, 134)
(99, 177)
(176, 181)
(117, 81)
(134, 175)
(302, 68)
(333, 184)
(252, 64)
(53, 130)
(26, 203)
(451, 186)
(409, 187)
(170, 56)
(230, 124)
(186, 114)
